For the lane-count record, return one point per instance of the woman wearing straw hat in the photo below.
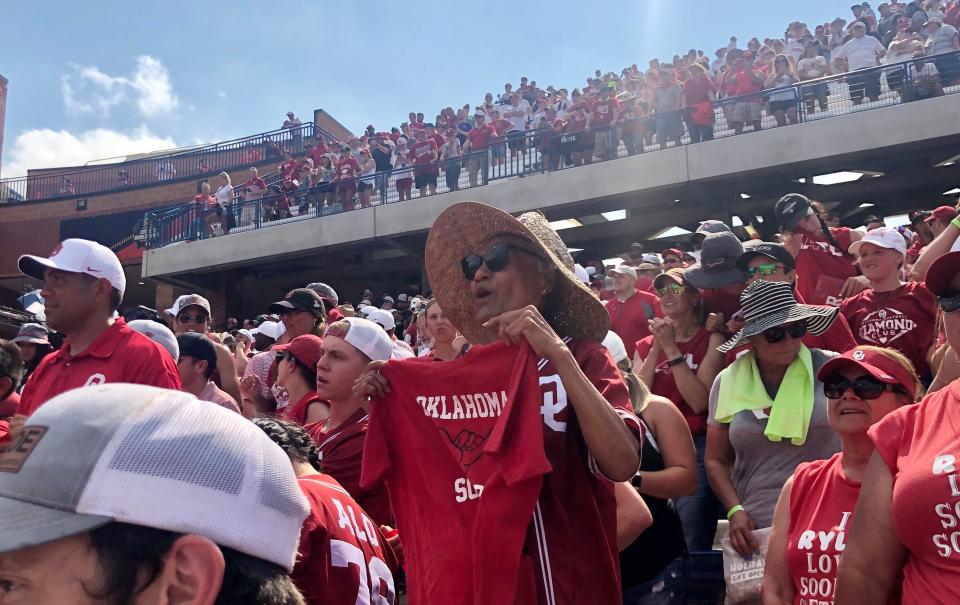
(767, 410)
(498, 277)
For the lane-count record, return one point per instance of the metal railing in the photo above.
(193, 163)
(546, 149)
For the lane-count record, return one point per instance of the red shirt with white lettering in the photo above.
(694, 350)
(424, 154)
(903, 319)
(119, 354)
(343, 558)
(574, 533)
(822, 500)
(289, 169)
(347, 168)
(461, 448)
(341, 456)
(603, 112)
(629, 318)
(921, 446)
(822, 268)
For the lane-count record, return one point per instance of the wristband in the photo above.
(956, 222)
(676, 361)
(734, 510)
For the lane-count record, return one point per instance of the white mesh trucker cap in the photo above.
(150, 457)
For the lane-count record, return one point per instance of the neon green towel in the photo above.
(742, 389)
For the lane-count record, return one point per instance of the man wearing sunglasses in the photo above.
(630, 309)
(769, 261)
(191, 313)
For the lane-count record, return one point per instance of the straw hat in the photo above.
(467, 228)
(768, 304)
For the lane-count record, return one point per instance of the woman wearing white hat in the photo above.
(767, 410)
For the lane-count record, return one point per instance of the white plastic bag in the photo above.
(744, 578)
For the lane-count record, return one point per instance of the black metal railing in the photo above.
(193, 163)
(547, 149)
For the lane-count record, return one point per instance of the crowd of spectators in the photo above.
(756, 369)
(549, 128)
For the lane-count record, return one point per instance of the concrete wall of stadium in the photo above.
(816, 141)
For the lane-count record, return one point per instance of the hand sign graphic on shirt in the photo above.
(468, 444)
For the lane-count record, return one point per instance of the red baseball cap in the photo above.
(943, 214)
(672, 252)
(941, 272)
(306, 349)
(880, 366)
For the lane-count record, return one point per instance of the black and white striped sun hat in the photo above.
(768, 304)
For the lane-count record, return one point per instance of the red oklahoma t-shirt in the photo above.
(629, 318)
(423, 157)
(694, 350)
(119, 354)
(821, 508)
(921, 446)
(341, 457)
(343, 558)
(461, 449)
(347, 168)
(480, 137)
(903, 319)
(822, 268)
(603, 112)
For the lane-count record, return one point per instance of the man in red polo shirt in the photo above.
(630, 309)
(83, 284)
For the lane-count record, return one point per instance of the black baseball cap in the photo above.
(300, 299)
(791, 209)
(769, 250)
(198, 346)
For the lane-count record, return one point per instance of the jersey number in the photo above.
(554, 398)
(372, 575)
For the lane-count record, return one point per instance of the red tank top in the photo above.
(821, 509)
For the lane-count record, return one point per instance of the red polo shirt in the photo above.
(119, 354)
(629, 318)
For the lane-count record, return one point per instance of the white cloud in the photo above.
(222, 94)
(89, 90)
(44, 148)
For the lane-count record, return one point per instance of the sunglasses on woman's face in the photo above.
(495, 258)
(865, 387)
(675, 289)
(778, 333)
(764, 270)
(949, 301)
(280, 357)
(197, 319)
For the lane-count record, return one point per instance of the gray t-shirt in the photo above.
(761, 466)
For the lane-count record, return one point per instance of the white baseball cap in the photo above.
(78, 256)
(158, 333)
(188, 300)
(365, 336)
(614, 345)
(382, 317)
(885, 237)
(581, 273)
(154, 458)
(271, 329)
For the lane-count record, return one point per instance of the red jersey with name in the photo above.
(347, 168)
(629, 318)
(694, 350)
(461, 449)
(821, 508)
(119, 354)
(572, 543)
(823, 268)
(343, 558)
(341, 457)
(921, 446)
(603, 112)
(903, 319)
(424, 155)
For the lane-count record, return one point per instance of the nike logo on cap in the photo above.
(92, 269)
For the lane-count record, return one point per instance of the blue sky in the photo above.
(94, 80)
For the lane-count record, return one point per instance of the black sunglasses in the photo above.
(281, 357)
(776, 334)
(865, 387)
(197, 319)
(495, 258)
(949, 301)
